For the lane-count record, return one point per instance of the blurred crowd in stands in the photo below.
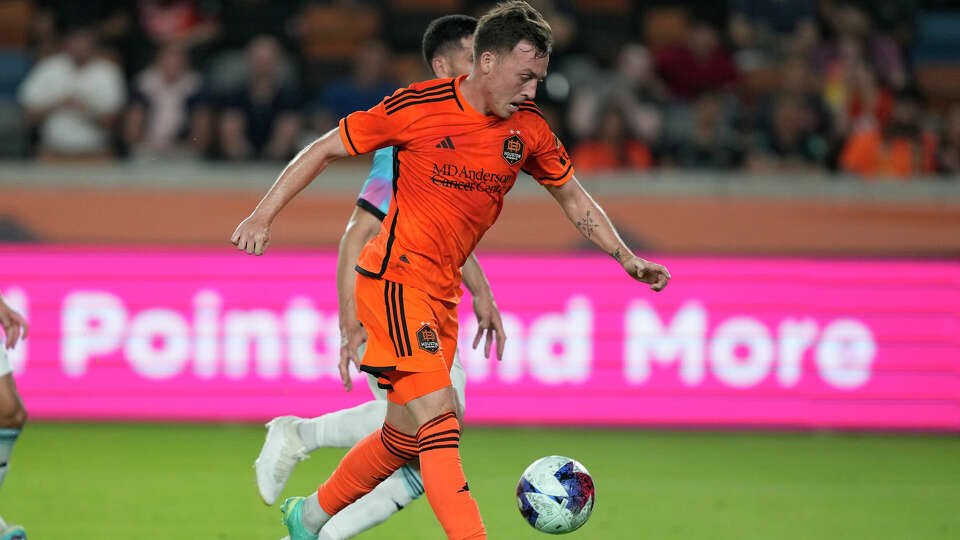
(871, 88)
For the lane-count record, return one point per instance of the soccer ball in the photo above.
(556, 494)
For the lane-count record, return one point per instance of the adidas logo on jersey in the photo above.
(446, 142)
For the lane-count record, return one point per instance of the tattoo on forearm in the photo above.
(587, 225)
(618, 255)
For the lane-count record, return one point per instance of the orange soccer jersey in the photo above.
(453, 166)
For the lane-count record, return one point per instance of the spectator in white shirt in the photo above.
(168, 114)
(74, 99)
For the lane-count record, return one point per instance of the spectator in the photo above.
(762, 30)
(699, 65)
(169, 115)
(798, 81)
(633, 87)
(611, 148)
(183, 22)
(712, 143)
(242, 21)
(74, 98)
(786, 141)
(948, 153)
(899, 151)
(261, 120)
(365, 87)
(868, 101)
(855, 41)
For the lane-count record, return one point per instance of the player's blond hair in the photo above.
(509, 23)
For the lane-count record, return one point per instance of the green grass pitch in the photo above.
(95, 482)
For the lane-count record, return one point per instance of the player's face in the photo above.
(461, 60)
(512, 78)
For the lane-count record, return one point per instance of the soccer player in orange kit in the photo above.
(459, 145)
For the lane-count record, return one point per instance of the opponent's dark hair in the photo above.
(509, 23)
(445, 33)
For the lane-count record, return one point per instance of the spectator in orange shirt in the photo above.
(900, 151)
(611, 147)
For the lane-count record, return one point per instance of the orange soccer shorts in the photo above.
(412, 338)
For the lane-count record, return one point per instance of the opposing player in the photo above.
(448, 50)
(12, 413)
(458, 147)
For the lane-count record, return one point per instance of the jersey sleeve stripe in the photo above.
(410, 91)
(531, 109)
(421, 96)
(422, 101)
(556, 178)
(346, 131)
(370, 207)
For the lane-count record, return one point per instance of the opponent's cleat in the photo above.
(13, 532)
(291, 512)
(281, 452)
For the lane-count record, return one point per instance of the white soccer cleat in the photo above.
(281, 452)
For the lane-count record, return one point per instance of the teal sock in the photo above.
(7, 438)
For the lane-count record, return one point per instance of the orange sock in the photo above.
(367, 464)
(443, 479)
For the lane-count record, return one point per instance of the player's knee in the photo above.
(13, 416)
(459, 411)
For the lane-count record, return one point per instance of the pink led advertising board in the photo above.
(215, 335)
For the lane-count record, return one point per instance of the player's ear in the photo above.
(487, 61)
(439, 66)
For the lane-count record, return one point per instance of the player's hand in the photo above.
(252, 235)
(647, 272)
(489, 324)
(14, 325)
(352, 335)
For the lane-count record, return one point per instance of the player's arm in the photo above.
(593, 224)
(361, 228)
(14, 325)
(253, 233)
(484, 306)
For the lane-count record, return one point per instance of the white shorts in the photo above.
(458, 376)
(5, 366)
